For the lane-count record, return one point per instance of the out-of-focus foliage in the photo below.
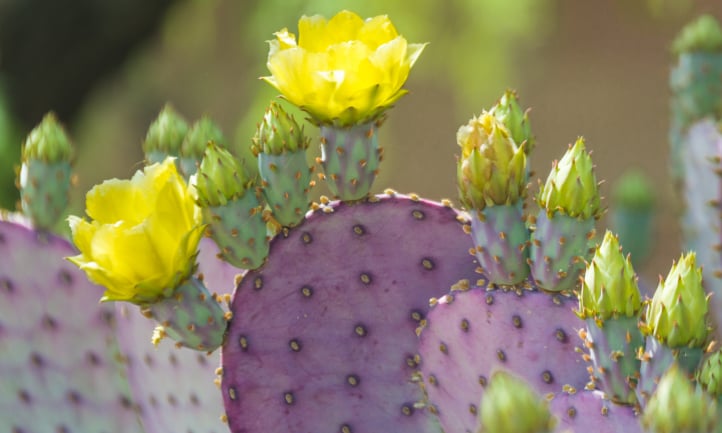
(9, 154)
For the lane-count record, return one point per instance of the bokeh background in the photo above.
(597, 69)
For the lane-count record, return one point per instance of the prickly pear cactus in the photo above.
(330, 319)
(472, 332)
(176, 389)
(62, 367)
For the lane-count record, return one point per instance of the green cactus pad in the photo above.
(350, 158)
(44, 178)
(239, 229)
(165, 136)
(286, 180)
(191, 317)
(501, 242)
(560, 245)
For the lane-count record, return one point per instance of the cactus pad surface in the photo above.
(59, 359)
(323, 336)
(469, 334)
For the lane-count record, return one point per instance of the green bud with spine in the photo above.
(510, 406)
(709, 375)
(232, 209)
(563, 232)
(280, 146)
(677, 315)
(195, 143)
(677, 407)
(675, 324)
(610, 303)
(165, 136)
(508, 111)
(45, 174)
(491, 175)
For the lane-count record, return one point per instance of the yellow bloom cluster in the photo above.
(343, 71)
(143, 237)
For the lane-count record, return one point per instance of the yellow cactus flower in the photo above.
(143, 237)
(344, 71)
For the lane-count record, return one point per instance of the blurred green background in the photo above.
(597, 69)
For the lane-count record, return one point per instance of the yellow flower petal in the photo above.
(344, 70)
(144, 239)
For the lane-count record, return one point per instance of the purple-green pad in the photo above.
(176, 385)
(588, 411)
(471, 333)
(59, 358)
(323, 338)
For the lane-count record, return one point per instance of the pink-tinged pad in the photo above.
(587, 411)
(176, 386)
(59, 359)
(470, 334)
(323, 335)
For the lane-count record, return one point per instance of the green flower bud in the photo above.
(703, 34)
(571, 187)
(709, 376)
(510, 406)
(492, 168)
(278, 132)
(48, 142)
(509, 112)
(165, 136)
(220, 178)
(677, 315)
(199, 135)
(609, 289)
(677, 407)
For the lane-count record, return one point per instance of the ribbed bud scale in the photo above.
(511, 406)
(508, 111)
(677, 407)
(165, 136)
(44, 178)
(350, 158)
(709, 375)
(195, 142)
(563, 236)
(191, 317)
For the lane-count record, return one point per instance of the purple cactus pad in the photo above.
(176, 386)
(59, 360)
(588, 411)
(469, 334)
(323, 335)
